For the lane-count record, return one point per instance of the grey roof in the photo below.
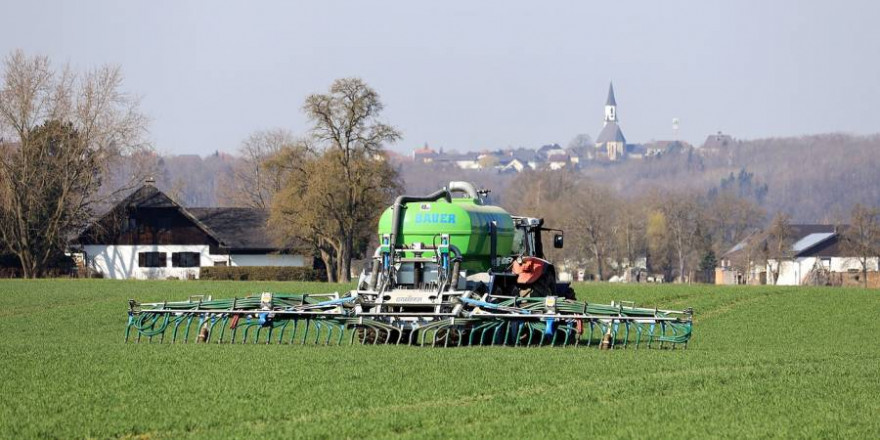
(147, 196)
(237, 228)
(717, 141)
(811, 240)
(547, 148)
(455, 157)
(810, 237)
(524, 155)
(807, 240)
(610, 133)
(610, 100)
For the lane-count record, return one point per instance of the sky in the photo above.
(467, 75)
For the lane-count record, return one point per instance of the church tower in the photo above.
(610, 106)
(610, 142)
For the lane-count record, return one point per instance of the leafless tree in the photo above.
(779, 242)
(749, 254)
(630, 232)
(595, 220)
(729, 219)
(345, 187)
(63, 131)
(862, 237)
(252, 183)
(682, 216)
(549, 195)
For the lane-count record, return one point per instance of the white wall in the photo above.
(121, 261)
(847, 264)
(792, 273)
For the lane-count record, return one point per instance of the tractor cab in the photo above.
(527, 237)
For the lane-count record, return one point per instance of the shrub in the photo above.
(259, 273)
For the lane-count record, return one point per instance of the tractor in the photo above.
(449, 270)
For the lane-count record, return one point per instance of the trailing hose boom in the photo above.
(448, 271)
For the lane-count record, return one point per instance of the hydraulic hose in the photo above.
(400, 205)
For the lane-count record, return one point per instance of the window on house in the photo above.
(152, 259)
(185, 259)
(219, 263)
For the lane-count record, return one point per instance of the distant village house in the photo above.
(816, 256)
(149, 236)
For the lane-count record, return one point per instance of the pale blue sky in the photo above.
(471, 75)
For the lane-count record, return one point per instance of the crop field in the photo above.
(764, 362)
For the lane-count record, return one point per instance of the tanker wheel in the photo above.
(456, 336)
(369, 335)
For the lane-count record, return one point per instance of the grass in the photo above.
(764, 362)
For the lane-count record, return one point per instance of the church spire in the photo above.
(610, 106)
(610, 100)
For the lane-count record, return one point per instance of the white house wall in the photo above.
(848, 264)
(792, 273)
(121, 261)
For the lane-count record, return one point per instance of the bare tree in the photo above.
(310, 208)
(779, 242)
(549, 195)
(683, 221)
(595, 220)
(65, 131)
(862, 237)
(749, 254)
(659, 246)
(345, 188)
(253, 183)
(630, 232)
(730, 219)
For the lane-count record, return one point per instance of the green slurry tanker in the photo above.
(449, 270)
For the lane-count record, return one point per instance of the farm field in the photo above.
(764, 362)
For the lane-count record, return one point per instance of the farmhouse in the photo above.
(816, 256)
(149, 236)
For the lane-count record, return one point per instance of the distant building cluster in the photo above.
(816, 255)
(610, 146)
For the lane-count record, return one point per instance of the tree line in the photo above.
(325, 189)
(679, 234)
(61, 132)
(72, 144)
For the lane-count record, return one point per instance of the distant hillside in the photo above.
(813, 178)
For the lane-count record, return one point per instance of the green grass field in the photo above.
(764, 362)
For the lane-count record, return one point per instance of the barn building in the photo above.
(149, 236)
(817, 256)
